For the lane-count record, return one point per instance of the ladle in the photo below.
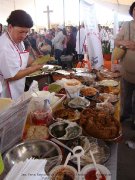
(98, 174)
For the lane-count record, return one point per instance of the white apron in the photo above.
(14, 89)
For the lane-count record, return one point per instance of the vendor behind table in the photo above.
(15, 63)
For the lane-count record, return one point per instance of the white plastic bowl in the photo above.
(91, 167)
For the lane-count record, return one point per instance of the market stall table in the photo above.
(111, 164)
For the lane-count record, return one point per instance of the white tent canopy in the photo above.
(124, 2)
(36, 7)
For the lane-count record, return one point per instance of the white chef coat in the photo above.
(80, 42)
(12, 59)
(57, 41)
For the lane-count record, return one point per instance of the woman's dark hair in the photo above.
(131, 9)
(20, 18)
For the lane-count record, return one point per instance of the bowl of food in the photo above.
(108, 82)
(89, 172)
(39, 149)
(105, 106)
(66, 113)
(79, 102)
(105, 127)
(62, 172)
(112, 98)
(88, 92)
(65, 130)
(100, 149)
(82, 141)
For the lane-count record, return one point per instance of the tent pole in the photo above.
(64, 13)
(79, 27)
(14, 4)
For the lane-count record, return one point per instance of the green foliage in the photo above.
(106, 47)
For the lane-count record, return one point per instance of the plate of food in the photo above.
(108, 82)
(88, 92)
(109, 74)
(51, 68)
(100, 124)
(112, 98)
(105, 106)
(108, 89)
(67, 114)
(65, 130)
(80, 141)
(63, 72)
(80, 70)
(78, 103)
(99, 148)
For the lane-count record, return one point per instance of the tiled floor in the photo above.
(126, 155)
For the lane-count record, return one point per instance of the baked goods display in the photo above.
(99, 124)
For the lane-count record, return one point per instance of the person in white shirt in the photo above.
(81, 40)
(58, 43)
(15, 63)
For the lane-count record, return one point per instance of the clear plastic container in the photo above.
(42, 116)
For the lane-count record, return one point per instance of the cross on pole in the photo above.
(48, 16)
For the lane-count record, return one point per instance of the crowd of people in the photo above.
(55, 42)
(64, 41)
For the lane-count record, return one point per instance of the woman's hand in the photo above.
(36, 66)
(128, 44)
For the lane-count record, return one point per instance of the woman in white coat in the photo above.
(15, 63)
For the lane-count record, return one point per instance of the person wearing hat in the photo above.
(15, 63)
